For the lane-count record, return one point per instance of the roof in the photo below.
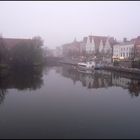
(126, 43)
(137, 41)
(97, 40)
(12, 42)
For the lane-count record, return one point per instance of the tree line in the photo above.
(24, 53)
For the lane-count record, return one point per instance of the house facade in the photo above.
(123, 50)
(99, 46)
(98, 43)
(9, 43)
(137, 49)
(72, 49)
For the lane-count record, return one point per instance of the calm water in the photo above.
(59, 102)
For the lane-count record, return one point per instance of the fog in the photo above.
(60, 22)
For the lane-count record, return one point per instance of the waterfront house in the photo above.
(123, 50)
(72, 49)
(9, 43)
(100, 46)
(137, 49)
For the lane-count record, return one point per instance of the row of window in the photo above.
(125, 54)
(124, 49)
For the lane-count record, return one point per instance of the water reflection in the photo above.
(103, 79)
(2, 95)
(21, 79)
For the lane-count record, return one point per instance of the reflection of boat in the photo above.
(87, 71)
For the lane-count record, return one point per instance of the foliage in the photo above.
(3, 51)
(27, 53)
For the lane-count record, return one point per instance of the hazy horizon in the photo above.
(60, 22)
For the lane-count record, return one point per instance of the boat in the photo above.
(99, 66)
(87, 67)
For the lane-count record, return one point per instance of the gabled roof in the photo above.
(97, 40)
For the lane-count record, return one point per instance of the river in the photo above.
(59, 102)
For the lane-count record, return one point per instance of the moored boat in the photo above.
(86, 67)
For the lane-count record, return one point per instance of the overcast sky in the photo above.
(60, 22)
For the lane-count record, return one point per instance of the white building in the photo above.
(90, 45)
(123, 50)
(99, 44)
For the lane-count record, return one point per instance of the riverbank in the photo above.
(122, 69)
(106, 67)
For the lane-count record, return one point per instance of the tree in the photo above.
(3, 51)
(37, 41)
(27, 53)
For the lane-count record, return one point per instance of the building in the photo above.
(95, 44)
(123, 50)
(72, 49)
(99, 46)
(9, 43)
(58, 52)
(137, 48)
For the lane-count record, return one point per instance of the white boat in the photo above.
(89, 65)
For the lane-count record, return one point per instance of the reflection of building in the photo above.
(120, 81)
(97, 80)
(87, 80)
(102, 79)
(133, 85)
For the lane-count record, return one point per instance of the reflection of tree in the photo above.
(21, 79)
(134, 88)
(70, 72)
(26, 78)
(2, 95)
(127, 81)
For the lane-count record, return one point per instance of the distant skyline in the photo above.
(60, 22)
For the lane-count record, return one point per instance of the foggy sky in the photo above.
(60, 22)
